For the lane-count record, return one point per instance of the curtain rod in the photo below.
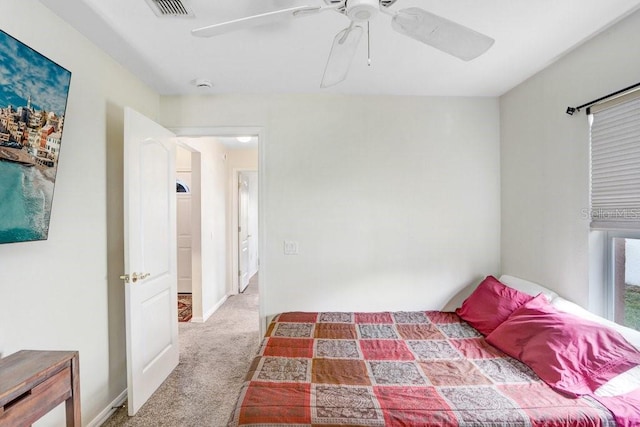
(571, 110)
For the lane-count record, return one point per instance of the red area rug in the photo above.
(184, 308)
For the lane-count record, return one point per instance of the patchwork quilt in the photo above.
(425, 368)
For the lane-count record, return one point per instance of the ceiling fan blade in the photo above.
(441, 33)
(343, 50)
(255, 20)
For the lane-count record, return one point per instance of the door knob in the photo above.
(139, 276)
(134, 277)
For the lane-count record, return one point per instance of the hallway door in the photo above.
(243, 232)
(150, 256)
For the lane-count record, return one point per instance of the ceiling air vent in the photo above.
(172, 8)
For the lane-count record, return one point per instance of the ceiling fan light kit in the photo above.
(362, 10)
(433, 30)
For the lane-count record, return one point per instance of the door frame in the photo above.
(261, 133)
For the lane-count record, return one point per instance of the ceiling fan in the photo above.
(426, 27)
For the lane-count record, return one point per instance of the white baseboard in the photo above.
(210, 312)
(109, 410)
(122, 397)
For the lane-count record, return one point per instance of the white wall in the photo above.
(545, 162)
(183, 165)
(213, 246)
(64, 293)
(242, 159)
(394, 201)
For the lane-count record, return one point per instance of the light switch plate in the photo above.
(290, 247)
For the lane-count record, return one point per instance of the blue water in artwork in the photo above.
(25, 203)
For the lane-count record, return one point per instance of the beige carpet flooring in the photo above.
(214, 357)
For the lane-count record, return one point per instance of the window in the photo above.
(615, 201)
(624, 279)
(182, 187)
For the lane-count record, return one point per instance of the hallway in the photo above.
(214, 357)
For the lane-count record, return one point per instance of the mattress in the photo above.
(426, 368)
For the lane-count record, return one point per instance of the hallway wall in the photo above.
(213, 233)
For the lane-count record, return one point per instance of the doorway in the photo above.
(226, 152)
(212, 171)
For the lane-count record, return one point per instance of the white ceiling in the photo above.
(234, 143)
(290, 58)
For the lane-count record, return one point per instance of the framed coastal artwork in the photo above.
(33, 100)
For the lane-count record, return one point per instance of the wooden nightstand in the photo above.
(34, 382)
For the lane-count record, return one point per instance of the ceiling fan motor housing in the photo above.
(362, 10)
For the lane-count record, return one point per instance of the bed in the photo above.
(425, 368)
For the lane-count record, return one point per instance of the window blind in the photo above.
(615, 163)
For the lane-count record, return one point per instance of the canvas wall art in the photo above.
(33, 100)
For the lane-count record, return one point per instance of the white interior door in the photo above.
(184, 226)
(253, 222)
(243, 232)
(150, 256)
(184, 242)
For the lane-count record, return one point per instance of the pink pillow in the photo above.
(490, 305)
(571, 354)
